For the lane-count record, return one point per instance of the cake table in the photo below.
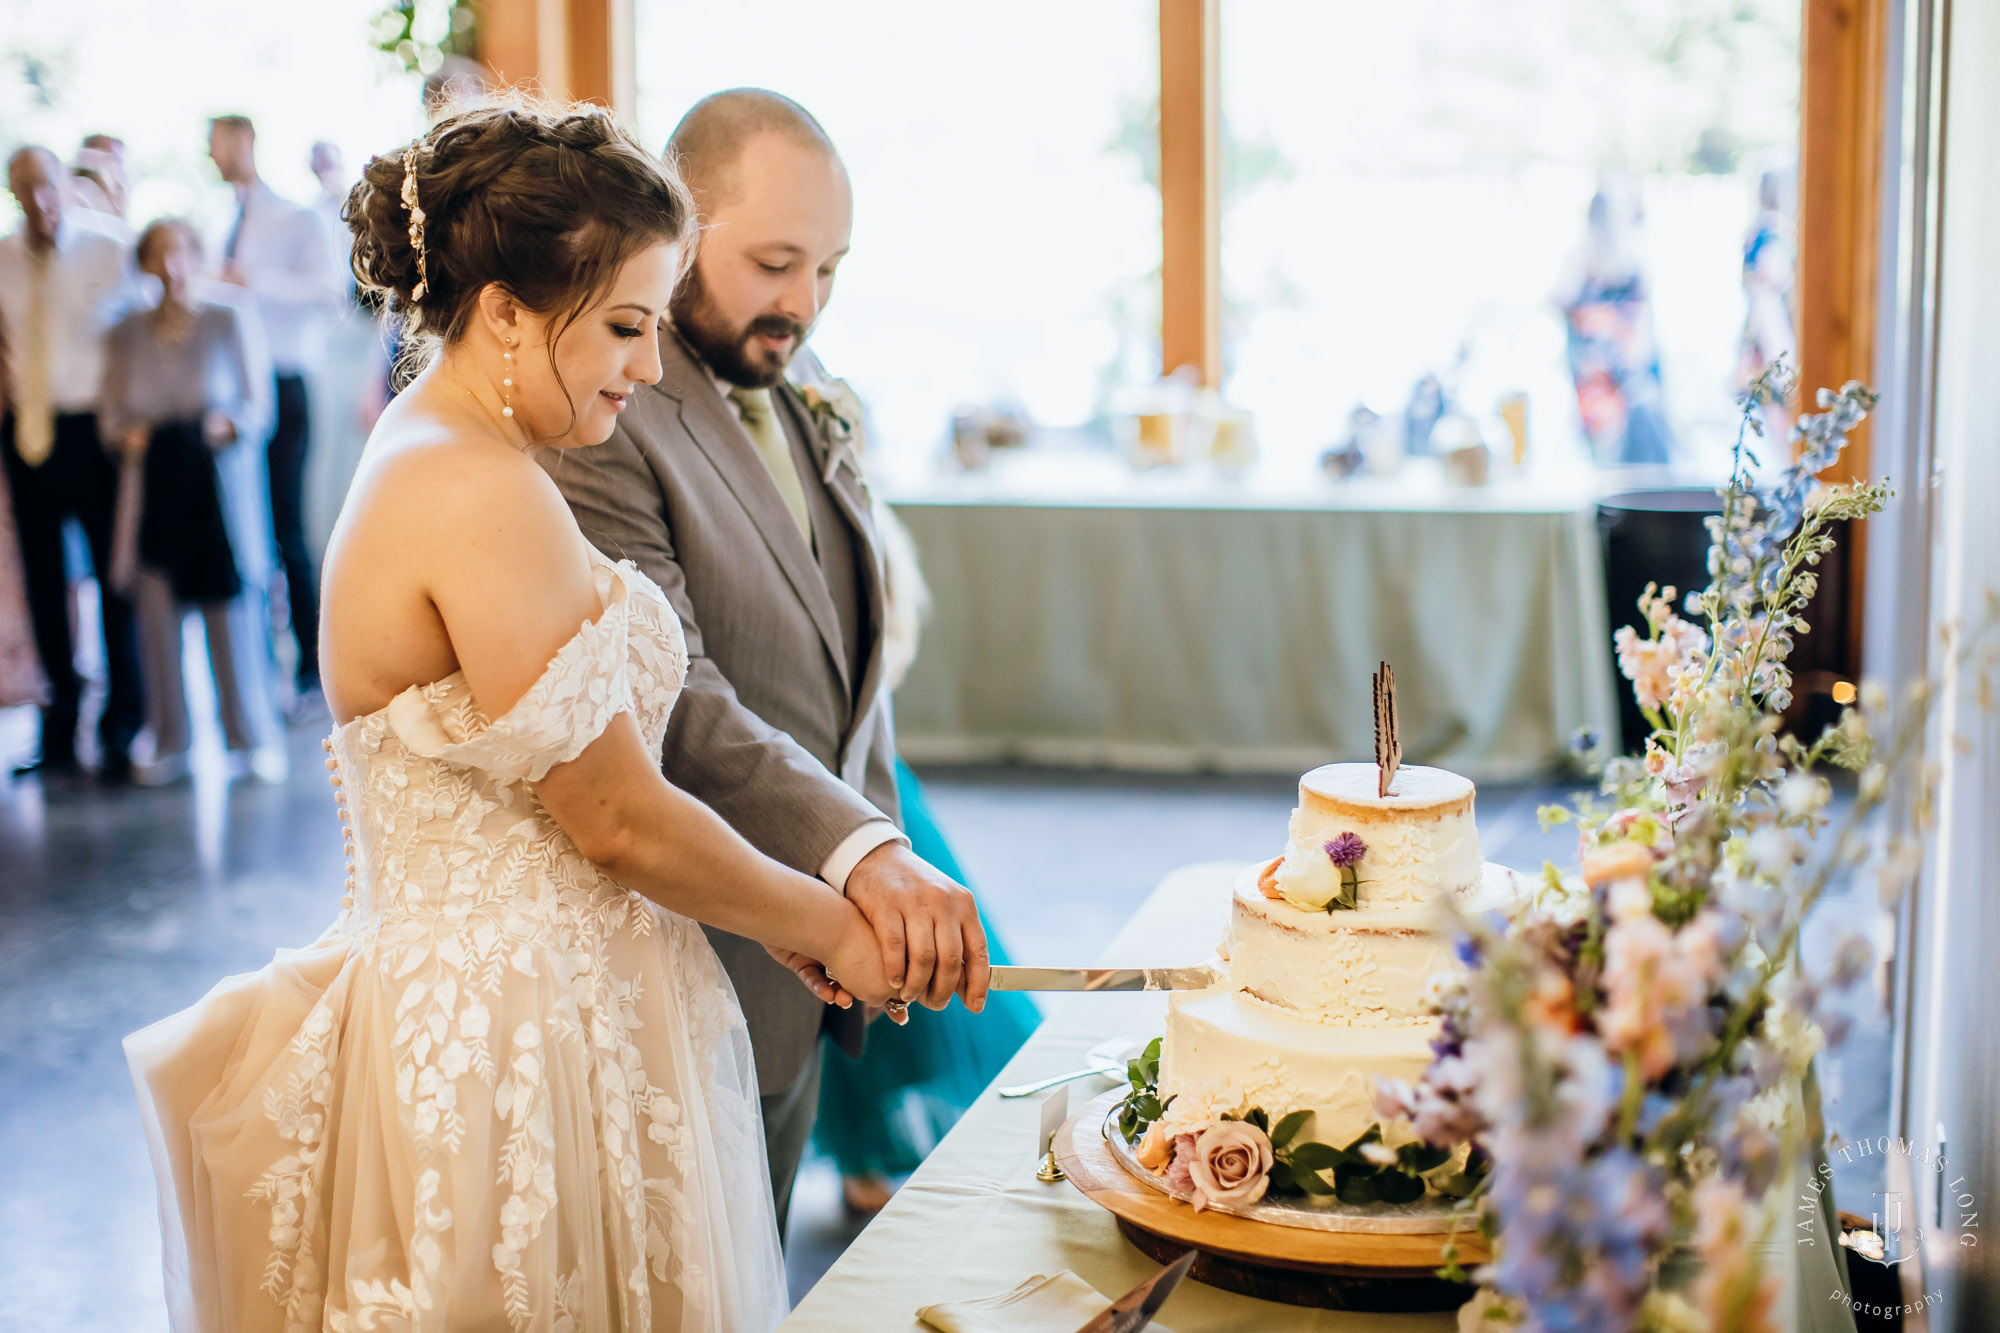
(974, 1221)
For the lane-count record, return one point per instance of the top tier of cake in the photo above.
(1421, 838)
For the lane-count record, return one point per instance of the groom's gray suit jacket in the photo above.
(784, 726)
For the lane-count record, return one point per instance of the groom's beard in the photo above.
(727, 351)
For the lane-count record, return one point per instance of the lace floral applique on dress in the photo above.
(501, 1091)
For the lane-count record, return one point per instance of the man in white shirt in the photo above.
(62, 286)
(330, 170)
(101, 188)
(278, 252)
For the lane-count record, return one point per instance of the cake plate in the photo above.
(1347, 1269)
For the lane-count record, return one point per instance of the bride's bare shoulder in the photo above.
(432, 485)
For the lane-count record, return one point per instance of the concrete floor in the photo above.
(117, 908)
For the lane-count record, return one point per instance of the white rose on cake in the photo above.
(1308, 879)
(1322, 877)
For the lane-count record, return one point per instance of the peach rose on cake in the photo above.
(1156, 1147)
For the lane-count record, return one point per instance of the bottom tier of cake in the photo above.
(1226, 1052)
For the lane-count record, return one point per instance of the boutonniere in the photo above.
(836, 411)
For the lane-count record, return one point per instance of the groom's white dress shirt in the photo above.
(856, 845)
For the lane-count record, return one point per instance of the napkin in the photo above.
(1060, 1304)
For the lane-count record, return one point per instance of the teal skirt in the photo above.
(883, 1113)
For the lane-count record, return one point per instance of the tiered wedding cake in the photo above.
(1328, 964)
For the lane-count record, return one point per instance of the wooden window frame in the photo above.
(582, 50)
(1191, 189)
(1842, 89)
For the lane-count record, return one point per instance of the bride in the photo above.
(510, 1087)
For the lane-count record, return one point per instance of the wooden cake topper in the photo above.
(1388, 748)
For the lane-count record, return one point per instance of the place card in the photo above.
(1055, 1110)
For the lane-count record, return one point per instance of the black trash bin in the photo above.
(1650, 536)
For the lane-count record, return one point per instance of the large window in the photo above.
(151, 73)
(1409, 188)
(1006, 236)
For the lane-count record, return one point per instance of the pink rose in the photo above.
(1232, 1164)
(1179, 1178)
(1155, 1148)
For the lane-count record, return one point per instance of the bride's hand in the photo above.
(814, 976)
(855, 963)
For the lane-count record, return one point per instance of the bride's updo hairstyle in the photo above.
(546, 200)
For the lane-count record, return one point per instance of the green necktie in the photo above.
(760, 419)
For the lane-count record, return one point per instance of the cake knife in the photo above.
(1135, 1309)
(1200, 977)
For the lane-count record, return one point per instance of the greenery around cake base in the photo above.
(1303, 1167)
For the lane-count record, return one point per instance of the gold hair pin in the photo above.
(416, 221)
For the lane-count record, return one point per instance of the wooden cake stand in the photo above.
(1331, 1270)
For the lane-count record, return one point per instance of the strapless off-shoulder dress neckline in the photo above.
(501, 1091)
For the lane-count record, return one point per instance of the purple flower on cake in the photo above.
(1231, 1164)
(1346, 850)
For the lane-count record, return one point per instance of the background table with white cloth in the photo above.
(1085, 614)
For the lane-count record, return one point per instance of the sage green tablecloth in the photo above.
(974, 1221)
(1157, 623)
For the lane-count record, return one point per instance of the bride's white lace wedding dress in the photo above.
(501, 1092)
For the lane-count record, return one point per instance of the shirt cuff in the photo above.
(855, 846)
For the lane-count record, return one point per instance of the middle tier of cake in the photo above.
(1368, 967)
(1226, 1052)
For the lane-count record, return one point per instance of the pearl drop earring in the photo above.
(507, 381)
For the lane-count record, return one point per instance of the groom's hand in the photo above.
(932, 943)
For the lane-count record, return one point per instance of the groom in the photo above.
(723, 487)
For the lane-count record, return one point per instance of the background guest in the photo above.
(330, 170)
(185, 383)
(100, 183)
(352, 386)
(1614, 358)
(1768, 273)
(21, 678)
(456, 79)
(278, 251)
(62, 286)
